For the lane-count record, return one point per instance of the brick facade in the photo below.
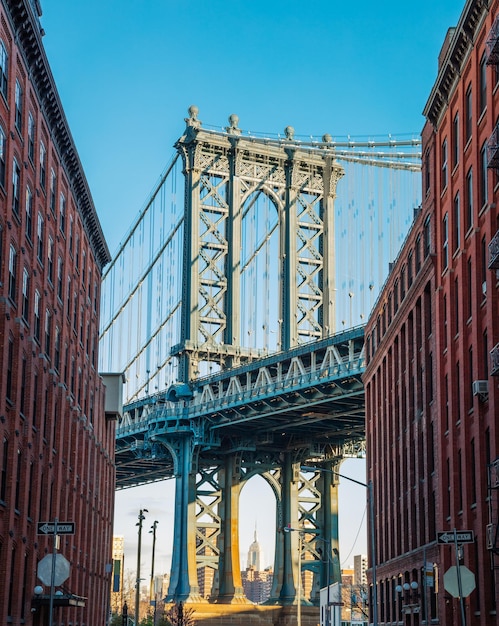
(432, 428)
(56, 446)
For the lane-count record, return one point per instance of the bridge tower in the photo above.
(227, 176)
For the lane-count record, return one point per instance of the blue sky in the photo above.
(127, 70)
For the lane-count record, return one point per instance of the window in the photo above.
(3, 480)
(444, 307)
(68, 298)
(62, 213)
(469, 199)
(483, 83)
(4, 69)
(17, 491)
(48, 328)
(457, 223)
(43, 165)
(443, 180)
(53, 186)
(37, 324)
(60, 273)
(18, 105)
(10, 370)
(50, 256)
(71, 235)
(417, 255)
(23, 398)
(468, 104)
(409, 269)
(483, 176)
(84, 269)
(16, 184)
(427, 177)
(469, 299)
(2, 157)
(39, 232)
(455, 140)
(29, 214)
(31, 137)
(445, 241)
(57, 348)
(12, 273)
(25, 308)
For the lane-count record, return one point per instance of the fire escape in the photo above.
(492, 534)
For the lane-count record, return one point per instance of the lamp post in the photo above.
(409, 593)
(328, 561)
(370, 492)
(152, 591)
(137, 584)
(300, 531)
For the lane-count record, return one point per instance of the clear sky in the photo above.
(127, 70)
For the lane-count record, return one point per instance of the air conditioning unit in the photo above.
(489, 536)
(480, 387)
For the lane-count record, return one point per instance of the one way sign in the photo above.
(48, 528)
(461, 536)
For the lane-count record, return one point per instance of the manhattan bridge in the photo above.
(235, 309)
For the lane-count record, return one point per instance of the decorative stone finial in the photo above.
(192, 120)
(327, 138)
(233, 129)
(289, 131)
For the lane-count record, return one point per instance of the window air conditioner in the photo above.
(480, 387)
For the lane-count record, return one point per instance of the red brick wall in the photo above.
(59, 447)
(429, 438)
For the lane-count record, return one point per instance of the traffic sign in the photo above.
(48, 528)
(451, 583)
(461, 536)
(61, 569)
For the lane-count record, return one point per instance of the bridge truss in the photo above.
(231, 307)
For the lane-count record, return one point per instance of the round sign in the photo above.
(467, 581)
(61, 570)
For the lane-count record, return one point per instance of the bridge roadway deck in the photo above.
(308, 400)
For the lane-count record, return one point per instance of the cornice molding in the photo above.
(461, 42)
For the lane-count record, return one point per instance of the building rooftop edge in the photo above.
(460, 41)
(28, 33)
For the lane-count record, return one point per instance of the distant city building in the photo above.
(432, 351)
(57, 439)
(206, 573)
(360, 569)
(257, 585)
(255, 556)
(347, 577)
(118, 571)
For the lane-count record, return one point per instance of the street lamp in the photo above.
(152, 591)
(137, 584)
(370, 491)
(300, 532)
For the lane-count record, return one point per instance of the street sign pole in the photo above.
(52, 578)
(459, 580)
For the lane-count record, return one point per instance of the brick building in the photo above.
(56, 443)
(432, 398)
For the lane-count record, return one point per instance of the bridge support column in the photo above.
(288, 567)
(230, 583)
(183, 576)
(330, 566)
